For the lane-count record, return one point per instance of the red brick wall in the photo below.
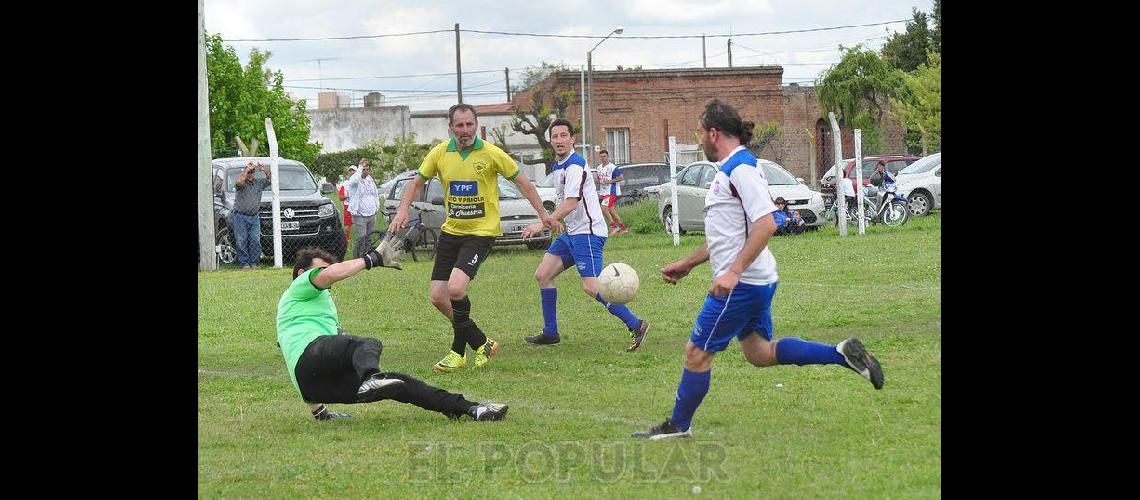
(654, 104)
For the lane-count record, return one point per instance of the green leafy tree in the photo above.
(859, 90)
(764, 136)
(936, 33)
(919, 107)
(907, 50)
(242, 97)
(535, 120)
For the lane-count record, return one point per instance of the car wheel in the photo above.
(538, 245)
(920, 204)
(668, 221)
(549, 206)
(225, 248)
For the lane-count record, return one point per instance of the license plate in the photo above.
(290, 226)
(520, 227)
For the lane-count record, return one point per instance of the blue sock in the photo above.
(793, 351)
(690, 392)
(550, 311)
(621, 311)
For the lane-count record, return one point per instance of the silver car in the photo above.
(515, 212)
(693, 185)
(921, 183)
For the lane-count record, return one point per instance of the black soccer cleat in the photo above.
(861, 361)
(324, 414)
(664, 431)
(543, 339)
(488, 411)
(637, 336)
(377, 387)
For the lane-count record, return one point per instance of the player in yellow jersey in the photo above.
(468, 170)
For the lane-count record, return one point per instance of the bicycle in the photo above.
(419, 240)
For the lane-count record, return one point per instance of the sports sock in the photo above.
(550, 311)
(690, 392)
(621, 311)
(461, 311)
(793, 351)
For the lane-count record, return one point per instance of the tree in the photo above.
(907, 50)
(764, 136)
(241, 99)
(920, 106)
(536, 118)
(936, 34)
(499, 136)
(859, 89)
(533, 76)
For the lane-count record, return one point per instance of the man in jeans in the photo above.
(365, 201)
(247, 223)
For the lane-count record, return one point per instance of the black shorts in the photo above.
(466, 253)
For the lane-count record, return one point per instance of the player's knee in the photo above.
(440, 297)
(456, 293)
(697, 359)
(763, 355)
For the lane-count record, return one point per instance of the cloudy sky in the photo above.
(407, 69)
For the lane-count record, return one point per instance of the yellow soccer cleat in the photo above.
(485, 352)
(453, 361)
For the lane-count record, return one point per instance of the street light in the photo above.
(590, 71)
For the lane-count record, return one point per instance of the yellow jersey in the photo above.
(470, 185)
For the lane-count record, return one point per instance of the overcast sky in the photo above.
(353, 66)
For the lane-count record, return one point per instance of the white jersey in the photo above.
(728, 218)
(608, 172)
(572, 178)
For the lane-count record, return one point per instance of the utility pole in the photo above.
(704, 59)
(730, 52)
(507, 74)
(207, 260)
(458, 67)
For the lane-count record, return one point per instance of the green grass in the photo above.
(788, 431)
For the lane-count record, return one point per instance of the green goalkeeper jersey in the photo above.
(304, 313)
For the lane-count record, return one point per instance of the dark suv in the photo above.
(894, 164)
(308, 218)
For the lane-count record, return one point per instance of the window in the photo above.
(617, 142)
(692, 175)
(924, 164)
(401, 186)
(434, 190)
(777, 176)
(289, 179)
(707, 176)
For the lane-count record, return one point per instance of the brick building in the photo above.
(636, 110)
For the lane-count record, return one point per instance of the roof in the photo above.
(480, 109)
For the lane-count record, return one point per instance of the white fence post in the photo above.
(840, 200)
(673, 192)
(276, 183)
(859, 177)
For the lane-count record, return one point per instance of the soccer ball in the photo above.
(618, 283)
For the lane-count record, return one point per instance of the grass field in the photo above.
(784, 431)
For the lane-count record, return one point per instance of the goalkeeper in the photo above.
(327, 366)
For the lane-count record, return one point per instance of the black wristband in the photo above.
(371, 259)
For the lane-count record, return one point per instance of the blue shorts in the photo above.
(747, 309)
(585, 250)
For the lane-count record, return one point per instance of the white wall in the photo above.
(340, 129)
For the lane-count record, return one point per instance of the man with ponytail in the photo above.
(738, 225)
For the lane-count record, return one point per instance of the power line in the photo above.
(338, 37)
(549, 35)
(661, 37)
